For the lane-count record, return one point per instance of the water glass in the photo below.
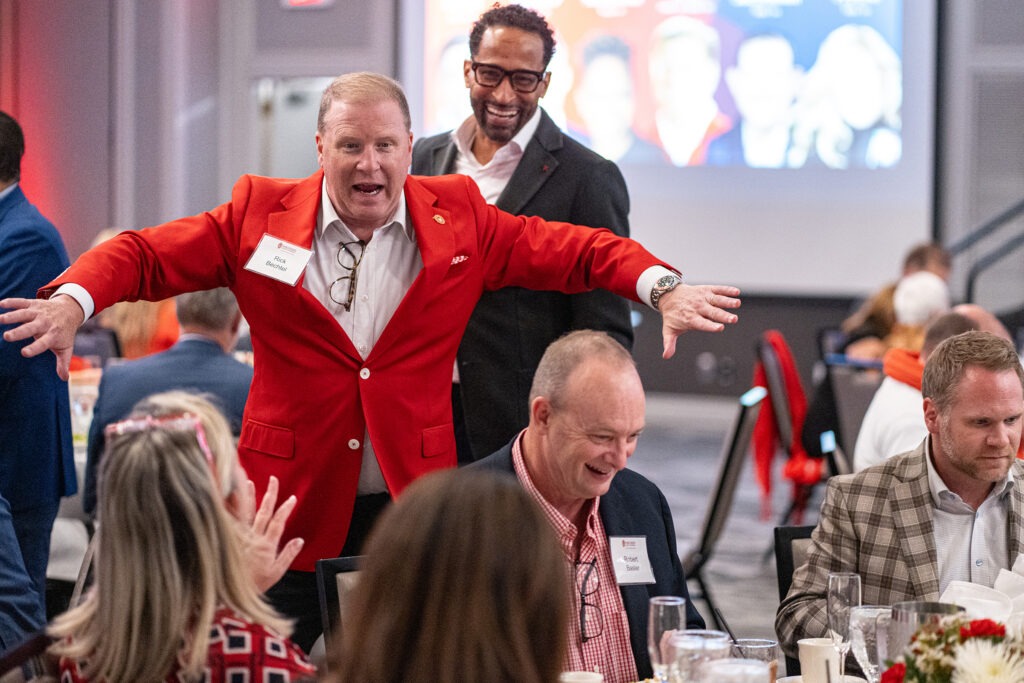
(692, 648)
(762, 649)
(666, 615)
(843, 594)
(736, 671)
(869, 632)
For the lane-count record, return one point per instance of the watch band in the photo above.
(664, 285)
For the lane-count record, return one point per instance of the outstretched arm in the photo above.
(51, 322)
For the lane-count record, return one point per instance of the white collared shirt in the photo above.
(493, 176)
(390, 263)
(970, 545)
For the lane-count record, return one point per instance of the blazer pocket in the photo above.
(438, 440)
(264, 438)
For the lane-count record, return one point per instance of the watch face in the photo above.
(666, 280)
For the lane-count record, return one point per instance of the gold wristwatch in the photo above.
(664, 285)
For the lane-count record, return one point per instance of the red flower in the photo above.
(895, 673)
(982, 628)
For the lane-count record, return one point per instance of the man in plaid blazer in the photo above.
(961, 490)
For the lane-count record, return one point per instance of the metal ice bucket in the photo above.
(908, 617)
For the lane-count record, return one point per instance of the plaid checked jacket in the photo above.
(877, 523)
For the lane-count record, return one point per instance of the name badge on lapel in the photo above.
(278, 259)
(630, 560)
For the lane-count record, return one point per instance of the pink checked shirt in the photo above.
(608, 653)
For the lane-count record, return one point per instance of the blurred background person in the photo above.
(866, 328)
(764, 83)
(894, 421)
(173, 597)
(849, 109)
(36, 456)
(919, 298)
(685, 69)
(462, 580)
(142, 327)
(200, 362)
(605, 100)
(866, 335)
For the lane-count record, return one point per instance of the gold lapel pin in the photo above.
(439, 219)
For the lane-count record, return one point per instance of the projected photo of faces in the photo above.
(737, 83)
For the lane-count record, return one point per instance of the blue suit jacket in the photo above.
(634, 506)
(193, 364)
(36, 453)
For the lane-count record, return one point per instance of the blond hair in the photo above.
(948, 363)
(363, 87)
(169, 555)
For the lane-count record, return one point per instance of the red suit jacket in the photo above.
(312, 394)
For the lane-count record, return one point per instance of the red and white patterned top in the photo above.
(608, 653)
(240, 652)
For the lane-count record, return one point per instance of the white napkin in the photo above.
(980, 602)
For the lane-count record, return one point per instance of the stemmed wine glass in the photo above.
(843, 593)
(667, 614)
(869, 630)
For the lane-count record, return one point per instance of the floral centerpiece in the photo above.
(960, 650)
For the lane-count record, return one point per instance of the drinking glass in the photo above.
(736, 671)
(843, 594)
(666, 615)
(869, 631)
(692, 648)
(761, 649)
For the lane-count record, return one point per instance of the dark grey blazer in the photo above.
(634, 506)
(557, 179)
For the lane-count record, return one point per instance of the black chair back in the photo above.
(734, 454)
(791, 545)
(335, 578)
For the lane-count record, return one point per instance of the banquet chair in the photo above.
(734, 454)
(853, 387)
(335, 579)
(29, 661)
(791, 546)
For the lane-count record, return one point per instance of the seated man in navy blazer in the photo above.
(586, 414)
(199, 362)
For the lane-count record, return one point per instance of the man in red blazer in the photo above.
(357, 283)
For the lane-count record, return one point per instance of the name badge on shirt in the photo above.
(629, 560)
(278, 259)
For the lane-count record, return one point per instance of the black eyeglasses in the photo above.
(521, 80)
(591, 618)
(350, 255)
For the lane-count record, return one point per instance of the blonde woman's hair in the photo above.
(169, 555)
(215, 428)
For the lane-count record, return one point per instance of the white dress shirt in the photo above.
(390, 263)
(970, 545)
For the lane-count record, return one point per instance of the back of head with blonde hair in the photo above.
(168, 556)
(463, 580)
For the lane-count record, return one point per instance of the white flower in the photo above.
(979, 660)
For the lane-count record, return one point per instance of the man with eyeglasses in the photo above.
(357, 283)
(525, 165)
(615, 526)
